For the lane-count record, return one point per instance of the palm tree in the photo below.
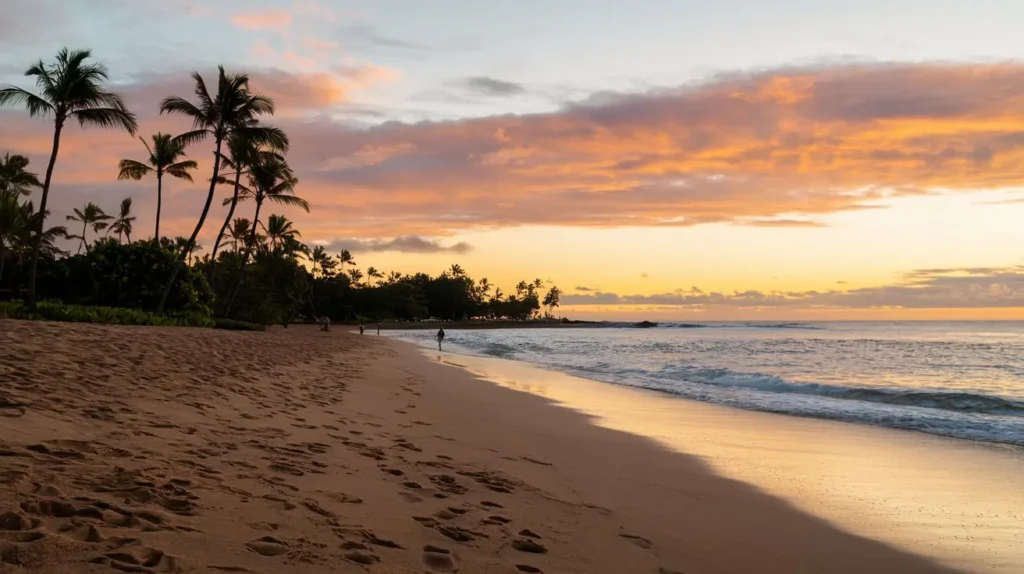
(238, 232)
(14, 180)
(372, 273)
(356, 276)
(164, 157)
(233, 109)
(123, 223)
(17, 227)
(243, 155)
(270, 178)
(394, 277)
(69, 88)
(90, 215)
(456, 270)
(280, 232)
(319, 257)
(345, 258)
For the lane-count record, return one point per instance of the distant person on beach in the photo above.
(360, 328)
(378, 328)
(325, 323)
(440, 337)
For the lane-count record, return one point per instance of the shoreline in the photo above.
(190, 450)
(910, 489)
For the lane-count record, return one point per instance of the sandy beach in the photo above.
(187, 450)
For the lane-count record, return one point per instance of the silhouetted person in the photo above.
(378, 328)
(360, 328)
(440, 337)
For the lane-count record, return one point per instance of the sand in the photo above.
(188, 450)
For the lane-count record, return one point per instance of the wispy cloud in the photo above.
(405, 244)
(488, 86)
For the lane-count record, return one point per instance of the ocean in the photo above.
(956, 379)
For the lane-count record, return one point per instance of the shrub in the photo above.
(232, 325)
(132, 275)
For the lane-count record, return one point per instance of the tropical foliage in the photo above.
(258, 272)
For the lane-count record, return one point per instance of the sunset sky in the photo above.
(738, 159)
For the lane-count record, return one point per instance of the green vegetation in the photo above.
(258, 272)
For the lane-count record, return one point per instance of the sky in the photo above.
(655, 159)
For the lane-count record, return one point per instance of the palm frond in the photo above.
(131, 169)
(180, 169)
(181, 106)
(290, 200)
(192, 137)
(107, 118)
(265, 136)
(36, 106)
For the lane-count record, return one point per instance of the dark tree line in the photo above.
(258, 269)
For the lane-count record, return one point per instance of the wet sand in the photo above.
(186, 450)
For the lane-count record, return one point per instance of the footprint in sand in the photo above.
(438, 559)
(638, 540)
(268, 546)
(528, 545)
(529, 569)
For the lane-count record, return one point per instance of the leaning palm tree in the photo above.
(270, 178)
(231, 109)
(14, 180)
(123, 224)
(89, 216)
(69, 89)
(164, 157)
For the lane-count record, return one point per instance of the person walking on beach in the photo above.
(378, 328)
(360, 328)
(440, 337)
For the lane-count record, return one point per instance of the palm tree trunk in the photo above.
(38, 239)
(245, 258)
(159, 202)
(227, 220)
(195, 233)
(128, 236)
(82, 244)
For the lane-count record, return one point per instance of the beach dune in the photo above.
(188, 450)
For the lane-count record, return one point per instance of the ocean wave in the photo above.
(964, 402)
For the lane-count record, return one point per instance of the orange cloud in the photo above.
(277, 20)
(779, 148)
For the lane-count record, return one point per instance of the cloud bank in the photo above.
(966, 288)
(781, 147)
(406, 244)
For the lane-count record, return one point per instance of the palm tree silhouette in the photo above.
(232, 109)
(123, 224)
(280, 232)
(356, 276)
(270, 178)
(17, 228)
(14, 180)
(345, 258)
(243, 154)
(239, 231)
(372, 273)
(89, 216)
(164, 157)
(69, 89)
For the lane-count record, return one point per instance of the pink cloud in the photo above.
(780, 148)
(277, 20)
